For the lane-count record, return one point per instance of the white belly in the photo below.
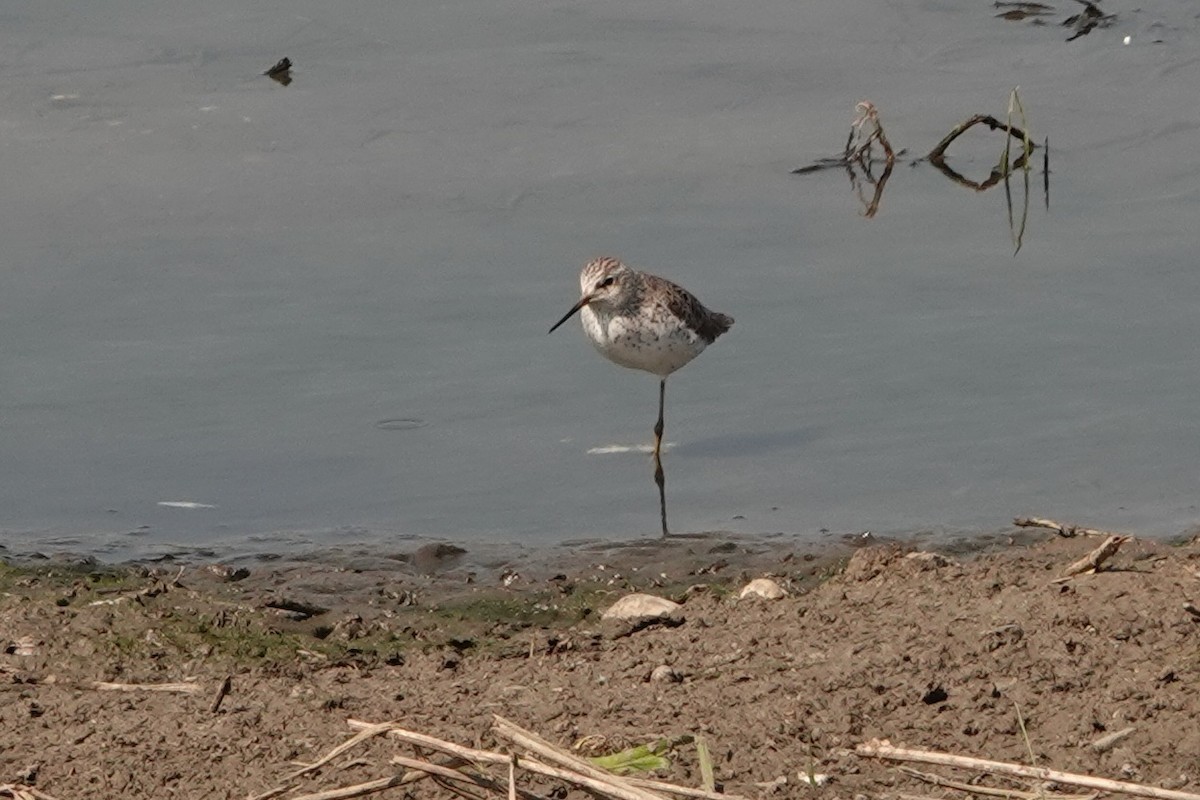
(658, 346)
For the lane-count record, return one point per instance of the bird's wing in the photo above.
(707, 324)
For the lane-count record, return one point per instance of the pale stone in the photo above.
(641, 607)
(665, 674)
(764, 588)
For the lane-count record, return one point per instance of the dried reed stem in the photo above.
(187, 688)
(536, 744)
(1092, 561)
(358, 790)
(989, 791)
(358, 738)
(938, 153)
(878, 749)
(1066, 531)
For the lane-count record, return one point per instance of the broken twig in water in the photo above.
(883, 749)
(858, 155)
(860, 161)
(865, 130)
(867, 113)
(1017, 231)
(938, 153)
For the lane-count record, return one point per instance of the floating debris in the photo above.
(1019, 11)
(401, 424)
(858, 156)
(281, 73)
(1083, 23)
(1088, 20)
(183, 504)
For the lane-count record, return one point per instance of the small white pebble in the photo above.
(665, 674)
(1128, 39)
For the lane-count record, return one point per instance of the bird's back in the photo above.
(683, 305)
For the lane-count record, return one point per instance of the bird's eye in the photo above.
(609, 281)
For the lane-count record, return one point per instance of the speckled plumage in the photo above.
(642, 321)
(645, 322)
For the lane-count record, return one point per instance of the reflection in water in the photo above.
(998, 174)
(1088, 20)
(1003, 170)
(660, 480)
(642, 321)
(1016, 11)
(1002, 173)
(859, 161)
(869, 206)
(1017, 231)
(939, 151)
(281, 73)
(859, 156)
(744, 445)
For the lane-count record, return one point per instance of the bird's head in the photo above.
(603, 282)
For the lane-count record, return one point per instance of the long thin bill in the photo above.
(583, 301)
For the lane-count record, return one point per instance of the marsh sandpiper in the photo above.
(645, 322)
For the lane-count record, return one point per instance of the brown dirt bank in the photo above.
(927, 653)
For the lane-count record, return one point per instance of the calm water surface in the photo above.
(322, 309)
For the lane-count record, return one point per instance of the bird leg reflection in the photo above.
(658, 426)
(660, 480)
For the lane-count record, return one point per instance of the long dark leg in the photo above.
(658, 426)
(661, 480)
(659, 476)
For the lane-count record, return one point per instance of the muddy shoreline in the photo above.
(438, 569)
(981, 654)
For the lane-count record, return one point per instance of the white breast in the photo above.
(659, 344)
